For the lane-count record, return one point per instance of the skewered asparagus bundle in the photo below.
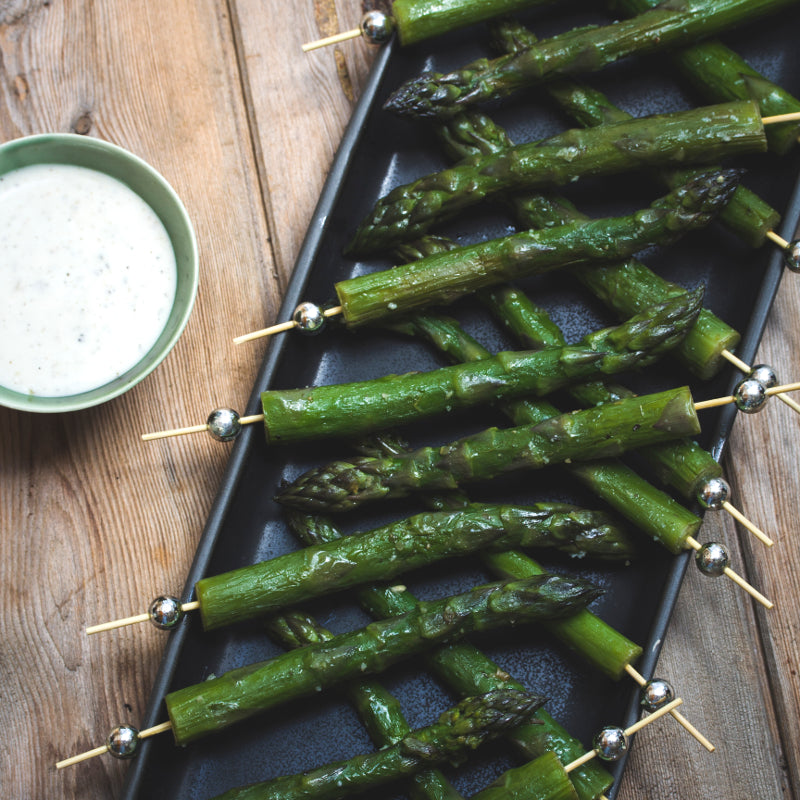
(357, 408)
(443, 278)
(697, 136)
(465, 727)
(599, 432)
(720, 74)
(583, 50)
(241, 693)
(399, 547)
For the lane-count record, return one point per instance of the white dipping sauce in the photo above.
(87, 279)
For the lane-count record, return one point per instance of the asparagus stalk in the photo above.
(378, 709)
(625, 286)
(398, 547)
(720, 75)
(357, 408)
(542, 779)
(696, 136)
(214, 704)
(465, 727)
(746, 214)
(466, 670)
(667, 26)
(416, 20)
(446, 277)
(584, 435)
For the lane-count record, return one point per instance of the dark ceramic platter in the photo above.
(245, 525)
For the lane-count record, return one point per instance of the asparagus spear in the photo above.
(378, 709)
(684, 137)
(465, 727)
(214, 704)
(626, 286)
(669, 25)
(416, 20)
(542, 779)
(398, 547)
(467, 670)
(720, 74)
(582, 435)
(357, 408)
(746, 214)
(449, 276)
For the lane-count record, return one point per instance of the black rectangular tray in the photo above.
(245, 525)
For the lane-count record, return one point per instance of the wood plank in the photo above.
(95, 522)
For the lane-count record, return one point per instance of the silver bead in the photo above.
(765, 375)
(123, 741)
(750, 395)
(713, 493)
(611, 743)
(223, 424)
(309, 318)
(791, 255)
(165, 612)
(377, 27)
(711, 559)
(656, 693)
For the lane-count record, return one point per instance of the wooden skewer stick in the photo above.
(735, 577)
(148, 437)
(281, 327)
(98, 751)
(739, 364)
(744, 522)
(135, 620)
(579, 762)
(676, 715)
(703, 404)
(335, 39)
(793, 117)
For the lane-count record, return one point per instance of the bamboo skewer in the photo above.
(739, 364)
(98, 751)
(344, 36)
(249, 420)
(676, 715)
(578, 762)
(135, 620)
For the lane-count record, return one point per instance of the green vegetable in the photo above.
(449, 276)
(542, 779)
(696, 136)
(377, 708)
(398, 547)
(467, 726)
(746, 214)
(356, 408)
(600, 432)
(720, 75)
(416, 20)
(214, 704)
(626, 286)
(669, 25)
(466, 670)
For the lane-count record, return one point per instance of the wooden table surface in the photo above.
(218, 98)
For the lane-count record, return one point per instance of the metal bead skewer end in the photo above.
(713, 494)
(763, 372)
(308, 318)
(676, 715)
(626, 733)
(165, 612)
(122, 742)
(714, 562)
(721, 401)
(223, 424)
(376, 27)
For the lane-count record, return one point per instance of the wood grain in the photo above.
(94, 523)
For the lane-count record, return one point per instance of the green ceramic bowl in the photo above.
(130, 170)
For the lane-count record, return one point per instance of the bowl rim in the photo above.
(19, 401)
